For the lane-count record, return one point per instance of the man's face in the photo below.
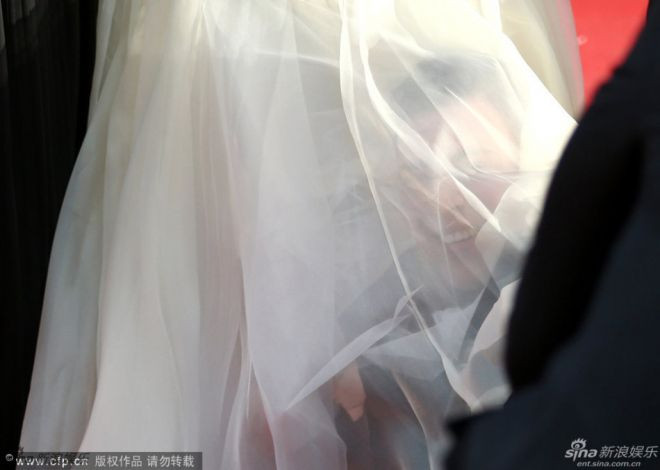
(474, 141)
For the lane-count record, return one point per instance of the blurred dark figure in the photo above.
(46, 64)
(584, 340)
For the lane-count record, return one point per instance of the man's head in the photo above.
(457, 105)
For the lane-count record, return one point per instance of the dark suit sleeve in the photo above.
(603, 384)
(584, 354)
(593, 191)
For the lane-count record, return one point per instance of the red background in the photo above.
(606, 29)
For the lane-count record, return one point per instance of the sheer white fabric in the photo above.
(294, 229)
(544, 33)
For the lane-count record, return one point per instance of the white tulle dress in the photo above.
(294, 229)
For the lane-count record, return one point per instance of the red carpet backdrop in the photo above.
(606, 29)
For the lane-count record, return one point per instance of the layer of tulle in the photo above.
(294, 229)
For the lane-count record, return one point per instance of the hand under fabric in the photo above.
(348, 391)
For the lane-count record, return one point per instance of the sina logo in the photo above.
(579, 450)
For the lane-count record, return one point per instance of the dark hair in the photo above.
(442, 77)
